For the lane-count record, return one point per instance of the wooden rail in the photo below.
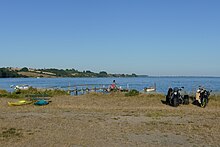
(76, 90)
(87, 88)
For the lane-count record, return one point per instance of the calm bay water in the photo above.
(162, 83)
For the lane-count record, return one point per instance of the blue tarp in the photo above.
(41, 102)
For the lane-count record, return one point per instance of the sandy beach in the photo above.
(109, 120)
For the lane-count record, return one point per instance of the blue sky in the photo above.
(154, 37)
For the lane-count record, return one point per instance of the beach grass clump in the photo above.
(214, 100)
(13, 95)
(215, 97)
(10, 133)
(6, 94)
(56, 92)
(33, 92)
(132, 92)
(3, 93)
(42, 92)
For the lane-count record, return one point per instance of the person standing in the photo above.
(113, 85)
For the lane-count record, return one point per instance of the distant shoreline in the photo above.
(71, 77)
(184, 76)
(125, 77)
(10, 72)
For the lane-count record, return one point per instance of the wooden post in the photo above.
(87, 90)
(76, 91)
(103, 88)
(82, 90)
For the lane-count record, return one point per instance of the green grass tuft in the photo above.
(132, 92)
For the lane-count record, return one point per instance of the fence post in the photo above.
(76, 91)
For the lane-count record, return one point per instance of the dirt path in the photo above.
(109, 120)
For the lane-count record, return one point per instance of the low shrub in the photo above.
(13, 95)
(41, 92)
(33, 92)
(56, 92)
(132, 92)
(2, 92)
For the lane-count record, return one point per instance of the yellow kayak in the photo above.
(19, 103)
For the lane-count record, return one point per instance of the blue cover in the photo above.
(41, 102)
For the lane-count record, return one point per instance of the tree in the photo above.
(103, 74)
(24, 69)
(6, 73)
(134, 75)
(88, 71)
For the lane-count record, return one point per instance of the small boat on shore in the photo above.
(150, 89)
(21, 87)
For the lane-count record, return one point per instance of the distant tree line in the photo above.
(6, 73)
(87, 73)
(9, 73)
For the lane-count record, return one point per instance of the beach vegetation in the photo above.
(132, 92)
(41, 92)
(2, 92)
(33, 92)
